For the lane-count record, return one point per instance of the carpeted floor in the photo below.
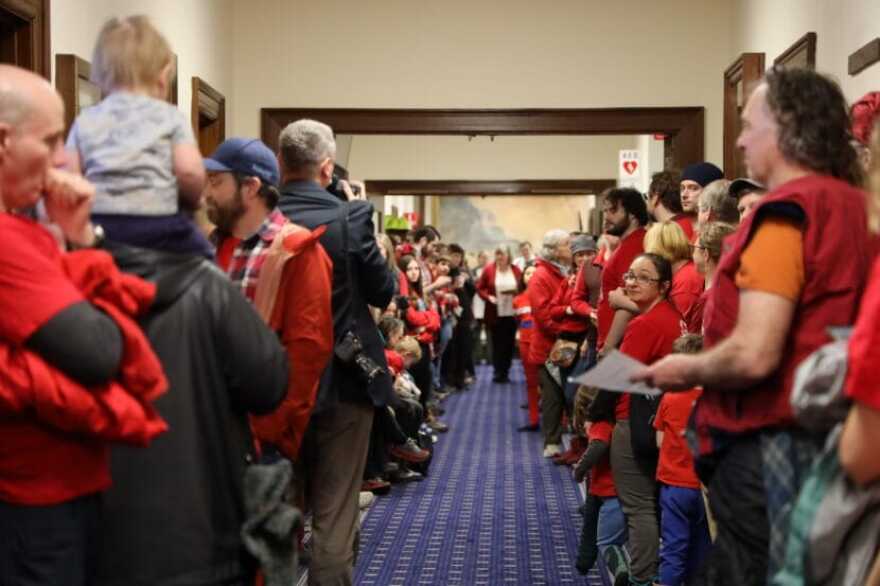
(492, 510)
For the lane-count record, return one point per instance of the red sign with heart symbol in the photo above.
(630, 166)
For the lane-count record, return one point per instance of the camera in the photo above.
(350, 351)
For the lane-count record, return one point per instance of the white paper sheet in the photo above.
(612, 374)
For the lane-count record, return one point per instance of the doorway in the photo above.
(208, 116)
(24, 34)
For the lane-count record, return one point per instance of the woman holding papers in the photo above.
(648, 337)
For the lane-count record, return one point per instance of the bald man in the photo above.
(49, 480)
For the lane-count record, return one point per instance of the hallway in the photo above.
(492, 510)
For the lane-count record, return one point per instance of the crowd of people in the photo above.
(172, 400)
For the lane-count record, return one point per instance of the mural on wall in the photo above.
(484, 223)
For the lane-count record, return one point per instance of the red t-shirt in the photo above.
(39, 465)
(694, 316)
(601, 481)
(687, 224)
(648, 338)
(676, 465)
(687, 286)
(612, 277)
(863, 380)
(225, 252)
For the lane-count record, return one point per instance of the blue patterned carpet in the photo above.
(492, 511)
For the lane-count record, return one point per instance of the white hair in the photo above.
(305, 143)
(550, 242)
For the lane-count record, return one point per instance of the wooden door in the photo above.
(208, 116)
(739, 81)
(24, 35)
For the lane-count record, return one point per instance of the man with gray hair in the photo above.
(334, 449)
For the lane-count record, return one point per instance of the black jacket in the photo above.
(306, 203)
(175, 510)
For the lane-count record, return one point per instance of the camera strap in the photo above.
(344, 210)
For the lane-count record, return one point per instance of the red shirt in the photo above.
(863, 380)
(676, 465)
(39, 465)
(523, 309)
(649, 338)
(694, 316)
(687, 286)
(601, 481)
(612, 277)
(687, 224)
(225, 252)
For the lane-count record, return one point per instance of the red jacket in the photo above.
(579, 321)
(293, 296)
(486, 288)
(54, 434)
(524, 319)
(545, 282)
(834, 229)
(395, 361)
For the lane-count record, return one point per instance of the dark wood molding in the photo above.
(684, 125)
(206, 102)
(455, 187)
(866, 56)
(739, 80)
(70, 72)
(803, 48)
(172, 89)
(36, 37)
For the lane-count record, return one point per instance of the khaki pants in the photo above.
(636, 489)
(329, 477)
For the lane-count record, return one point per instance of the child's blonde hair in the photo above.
(409, 346)
(130, 53)
(668, 240)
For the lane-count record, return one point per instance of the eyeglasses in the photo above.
(697, 247)
(641, 279)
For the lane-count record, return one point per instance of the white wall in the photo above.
(466, 54)
(505, 158)
(199, 31)
(842, 26)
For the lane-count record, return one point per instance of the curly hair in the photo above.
(813, 118)
(665, 184)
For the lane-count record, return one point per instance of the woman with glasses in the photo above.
(648, 338)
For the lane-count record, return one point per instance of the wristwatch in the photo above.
(98, 232)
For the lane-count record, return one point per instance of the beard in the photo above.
(620, 227)
(225, 217)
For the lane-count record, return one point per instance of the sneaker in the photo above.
(376, 486)
(410, 452)
(551, 450)
(365, 499)
(438, 426)
(407, 475)
(617, 564)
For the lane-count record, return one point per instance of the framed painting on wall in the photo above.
(72, 82)
(801, 54)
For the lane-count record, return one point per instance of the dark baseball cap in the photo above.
(247, 156)
(741, 186)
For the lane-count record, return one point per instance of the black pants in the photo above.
(421, 373)
(738, 502)
(54, 545)
(459, 353)
(503, 342)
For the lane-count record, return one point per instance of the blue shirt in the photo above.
(125, 144)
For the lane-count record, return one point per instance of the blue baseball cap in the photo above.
(247, 156)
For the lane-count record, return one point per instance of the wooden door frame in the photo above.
(36, 12)
(747, 70)
(454, 187)
(685, 126)
(200, 86)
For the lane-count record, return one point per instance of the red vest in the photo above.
(836, 263)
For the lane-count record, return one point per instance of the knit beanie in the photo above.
(703, 173)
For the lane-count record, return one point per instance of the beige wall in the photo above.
(842, 26)
(465, 54)
(507, 157)
(200, 32)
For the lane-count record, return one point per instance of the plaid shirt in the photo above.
(250, 254)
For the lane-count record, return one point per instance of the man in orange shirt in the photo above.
(778, 288)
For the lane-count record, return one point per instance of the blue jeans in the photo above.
(442, 341)
(612, 524)
(684, 532)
